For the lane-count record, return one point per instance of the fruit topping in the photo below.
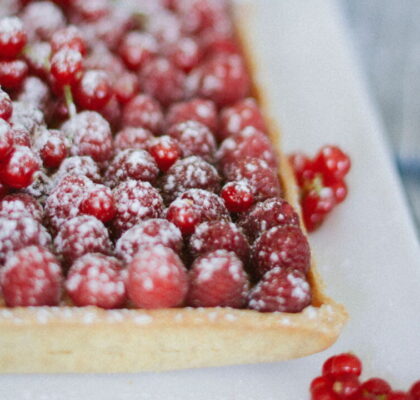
(132, 138)
(165, 150)
(21, 204)
(238, 196)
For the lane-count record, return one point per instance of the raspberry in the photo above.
(26, 117)
(244, 113)
(91, 10)
(415, 390)
(262, 179)
(41, 19)
(37, 93)
(342, 364)
(284, 247)
(238, 196)
(215, 43)
(91, 135)
(18, 169)
(183, 214)
(222, 79)
(195, 139)
(81, 235)
(69, 37)
(266, 215)
(51, 146)
(157, 278)
(144, 112)
(93, 91)
(135, 201)
(219, 235)
(12, 73)
(163, 81)
(81, 166)
(21, 137)
(137, 49)
(247, 143)
(126, 86)
(185, 54)
(6, 139)
(32, 277)
(96, 280)
(374, 387)
(12, 37)
(200, 110)
(151, 232)
(131, 164)
(316, 204)
(66, 66)
(165, 150)
(64, 200)
(103, 59)
(218, 279)
(99, 203)
(17, 232)
(37, 55)
(281, 289)
(332, 163)
(112, 112)
(40, 187)
(132, 138)
(190, 173)
(165, 27)
(6, 107)
(21, 204)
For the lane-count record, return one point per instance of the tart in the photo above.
(194, 175)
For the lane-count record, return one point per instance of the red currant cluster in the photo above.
(321, 183)
(340, 380)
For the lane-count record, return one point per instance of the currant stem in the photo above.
(68, 96)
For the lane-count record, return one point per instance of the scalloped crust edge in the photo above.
(81, 340)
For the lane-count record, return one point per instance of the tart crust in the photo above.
(89, 339)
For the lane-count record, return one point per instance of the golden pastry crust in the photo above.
(70, 339)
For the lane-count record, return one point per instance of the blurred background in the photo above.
(386, 34)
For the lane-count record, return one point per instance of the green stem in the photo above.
(68, 96)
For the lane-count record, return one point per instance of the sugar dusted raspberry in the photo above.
(144, 112)
(41, 19)
(17, 232)
(71, 37)
(262, 179)
(283, 247)
(112, 112)
(190, 173)
(215, 43)
(248, 143)
(266, 215)
(21, 204)
(93, 91)
(91, 135)
(238, 196)
(162, 80)
(26, 117)
(137, 49)
(219, 235)
(281, 290)
(91, 10)
(18, 168)
(6, 107)
(185, 53)
(64, 200)
(13, 73)
(96, 280)
(165, 26)
(36, 92)
(32, 277)
(184, 215)
(99, 202)
(165, 150)
(66, 66)
(157, 278)
(237, 117)
(126, 86)
(132, 138)
(103, 59)
(37, 56)
(21, 137)
(6, 139)
(218, 279)
(200, 110)
(51, 146)
(12, 37)
(223, 79)
(79, 165)
(81, 235)
(135, 202)
(151, 232)
(131, 164)
(195, 139)
(40, 187)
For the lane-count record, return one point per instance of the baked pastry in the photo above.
(66, 338)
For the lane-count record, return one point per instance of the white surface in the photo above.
(367, 252)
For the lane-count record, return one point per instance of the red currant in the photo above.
(165, 150)
(52, 148)
(6, 139)
(13, 73)
(126, 86)
(137, 49)
(342, 364)
(6, 106)
(332, 163)
(340, 191)
(346, 386)
(66, 66)
(185, 54)
(12, 37)
(315, 207)
(324, 394)
(375, 387)
(237, 196)
(415, 390)
(320, 383)
(184, 215)
(93, 90)
(99, 203)
(69, 37)
(302, 167)
(399, 395)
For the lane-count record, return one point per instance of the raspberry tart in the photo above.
(149, 219)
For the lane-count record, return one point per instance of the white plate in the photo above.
(367, 251)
